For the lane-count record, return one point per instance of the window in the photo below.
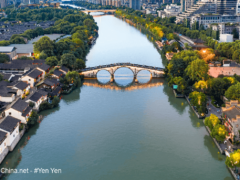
(236, 125)
(10, 113)
(29, 80)
(14, 135)
(5, 144)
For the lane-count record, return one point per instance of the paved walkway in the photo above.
(213, 109)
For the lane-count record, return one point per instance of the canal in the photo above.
(121, 130)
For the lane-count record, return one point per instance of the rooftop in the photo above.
(34, 74)
(20, 105)
(35, 97)
(21, 85)
(9, 123)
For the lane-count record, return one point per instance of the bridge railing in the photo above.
(122, 64)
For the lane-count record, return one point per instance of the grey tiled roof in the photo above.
(232, 112)
(9, 123)
(2, 135)
(35, 97)
(20, 105)
(34, 73)
(27, 111)
(21, 85)
(44, 67)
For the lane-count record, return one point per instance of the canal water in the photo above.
(121, 130)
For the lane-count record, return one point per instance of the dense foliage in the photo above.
(211, 121)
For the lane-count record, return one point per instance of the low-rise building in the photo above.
(64, 69)
(226, 38)
(37, 98)
(23, 88)
(57, 74)
(50, 83)
(3, 145)
(19, 110)
(169, 11)
(169, 55)
(6, 94)
(10, 125)
(232, 118)
(44, 68)
(33, 77)
(10, 51)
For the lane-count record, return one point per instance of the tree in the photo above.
(219, 132)
(80, 64)
(55, 101)
(181, 83)
(197, 70)
(4, 58)
(33, 118)
(72, 77)
(44, 44)
(1, 77)
(31, 104)
(235, 33)
(207, 54)
(216, 87)
(25, 58)
(211, 121)
(199, 100)
(68, 59)
(234, 159)
(52, 61)
(43, 55)
(233, 92)
(201, 85)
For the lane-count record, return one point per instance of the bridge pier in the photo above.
(135, 78)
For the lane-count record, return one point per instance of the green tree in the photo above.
(197, 70)
(211, 121)
(33, 118)
(52, 61)
(1, 77)
(181, 84)
(55, 101)
(219, 132)
(4, 58)
(43, 44)
(80, 64)
(68, 59)
(199, 100)
(72, 77)
(43, 55)
(234, 159)
(233, 92)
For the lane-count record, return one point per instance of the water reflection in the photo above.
(197, 123)
(103, 76)
(178, 103)
(115, 86)
(208, 142)
(123, 77)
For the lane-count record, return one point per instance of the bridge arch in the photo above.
(150, 79)
(123, 67)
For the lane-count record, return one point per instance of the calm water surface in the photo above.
(104, 131)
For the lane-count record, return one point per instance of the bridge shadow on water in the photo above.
(113, 85)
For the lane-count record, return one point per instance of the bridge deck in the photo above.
(123, 65)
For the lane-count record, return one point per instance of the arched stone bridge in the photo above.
(91, 72)
(99, 10)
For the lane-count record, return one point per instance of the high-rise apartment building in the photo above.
(135, 4)
(226, 6)
(3, 3)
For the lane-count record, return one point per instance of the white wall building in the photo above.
(20, 110)
(226, 38)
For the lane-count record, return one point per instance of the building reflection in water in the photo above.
(117, 87)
